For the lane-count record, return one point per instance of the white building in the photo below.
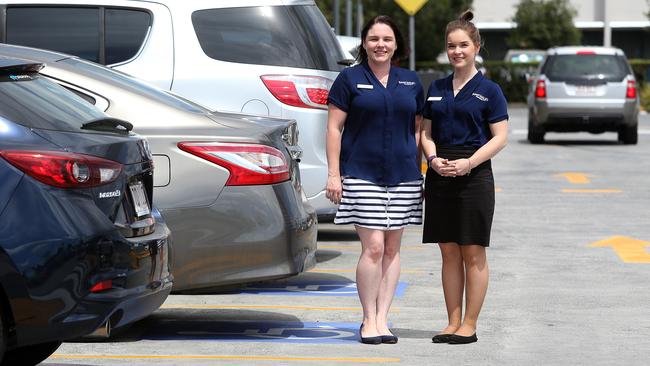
(620, 23)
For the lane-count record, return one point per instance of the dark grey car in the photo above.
(590, 89)
(228, 185)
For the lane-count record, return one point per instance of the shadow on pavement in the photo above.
(346, 233)
(324, 255)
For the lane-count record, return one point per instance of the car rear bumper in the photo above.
(572, 115)
(251, 233)
(137, 290)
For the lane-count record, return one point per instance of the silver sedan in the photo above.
(228, 185)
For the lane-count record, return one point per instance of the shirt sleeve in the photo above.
(426, 111)
(419, 97)
(339, 93)
(498, 109)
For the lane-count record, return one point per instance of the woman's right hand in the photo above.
(334, 189)
(442, 167)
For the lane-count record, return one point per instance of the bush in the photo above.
(645, 97)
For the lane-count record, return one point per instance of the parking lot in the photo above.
(568, 286)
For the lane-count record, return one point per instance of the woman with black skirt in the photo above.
(465, 126)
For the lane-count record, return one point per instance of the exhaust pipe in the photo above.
(103, 332)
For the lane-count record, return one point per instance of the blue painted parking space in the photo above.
(255, 331)
(311, 288)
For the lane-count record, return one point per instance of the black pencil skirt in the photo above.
(459, 209)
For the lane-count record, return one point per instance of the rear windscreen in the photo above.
(292, 36)
(585, 67)
(35, 102)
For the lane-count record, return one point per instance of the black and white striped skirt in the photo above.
(380, 207)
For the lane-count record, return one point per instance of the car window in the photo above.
(585, 67)
(36, 102)
(129, 83)
(77, 31)
(126, 31)
(293, 36)
(70, 30)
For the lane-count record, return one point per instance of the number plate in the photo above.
(586, 91)
(140, 202)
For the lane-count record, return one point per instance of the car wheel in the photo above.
(628, 135)
(535, 134)
(3, 334)
(30, 355)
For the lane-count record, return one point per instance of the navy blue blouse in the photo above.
(378, 142)
(464, 120)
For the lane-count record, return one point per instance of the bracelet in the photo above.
(430, 158)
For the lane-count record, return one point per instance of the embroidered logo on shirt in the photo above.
(480, 97)
(407, 83)
(434, 99)
(364, 86)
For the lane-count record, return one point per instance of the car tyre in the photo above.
(535, 134)
(628, 135)
(30, 355)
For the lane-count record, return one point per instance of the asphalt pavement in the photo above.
(569, 270)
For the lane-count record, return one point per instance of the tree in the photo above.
(430, 21)
(542, 24)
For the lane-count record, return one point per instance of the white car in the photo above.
(267, 57)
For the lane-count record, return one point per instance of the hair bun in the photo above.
(466, 16)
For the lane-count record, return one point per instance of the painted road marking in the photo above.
(576, 178)
(309, 288)
(273, 307)
(630, 250)
(608, 190)
(225, 357)
(253, 331)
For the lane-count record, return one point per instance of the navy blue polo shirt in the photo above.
(378, 142)
(464, 120)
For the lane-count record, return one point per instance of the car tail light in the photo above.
(540, 89)
(631, 89)
(102, 286)
(248, 164)
(299, 91)
(62, 169)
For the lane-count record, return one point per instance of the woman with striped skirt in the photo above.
(373, 165)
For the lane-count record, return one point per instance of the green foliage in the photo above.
(542, 24)
(430, 21)
(645, 97)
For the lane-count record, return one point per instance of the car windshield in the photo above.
(292, 36)
(585, 67)
(36, 102)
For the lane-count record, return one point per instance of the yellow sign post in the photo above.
(411, 7)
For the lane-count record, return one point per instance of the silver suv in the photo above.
(268, 57)
(590, 89)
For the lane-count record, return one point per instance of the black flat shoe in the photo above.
(388, 339)
(441, 338)
(369, 340)
(458, 339)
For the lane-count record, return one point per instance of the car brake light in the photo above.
(299, 91)
(631, 90)
(540, 89)
(585, 53)
(102, 286)
(248, 164)
(63, 169)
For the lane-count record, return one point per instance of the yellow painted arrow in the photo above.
(576, 178)
(630, 250)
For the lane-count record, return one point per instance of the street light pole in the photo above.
(412, 42)
(348, 18)
(337, 18)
